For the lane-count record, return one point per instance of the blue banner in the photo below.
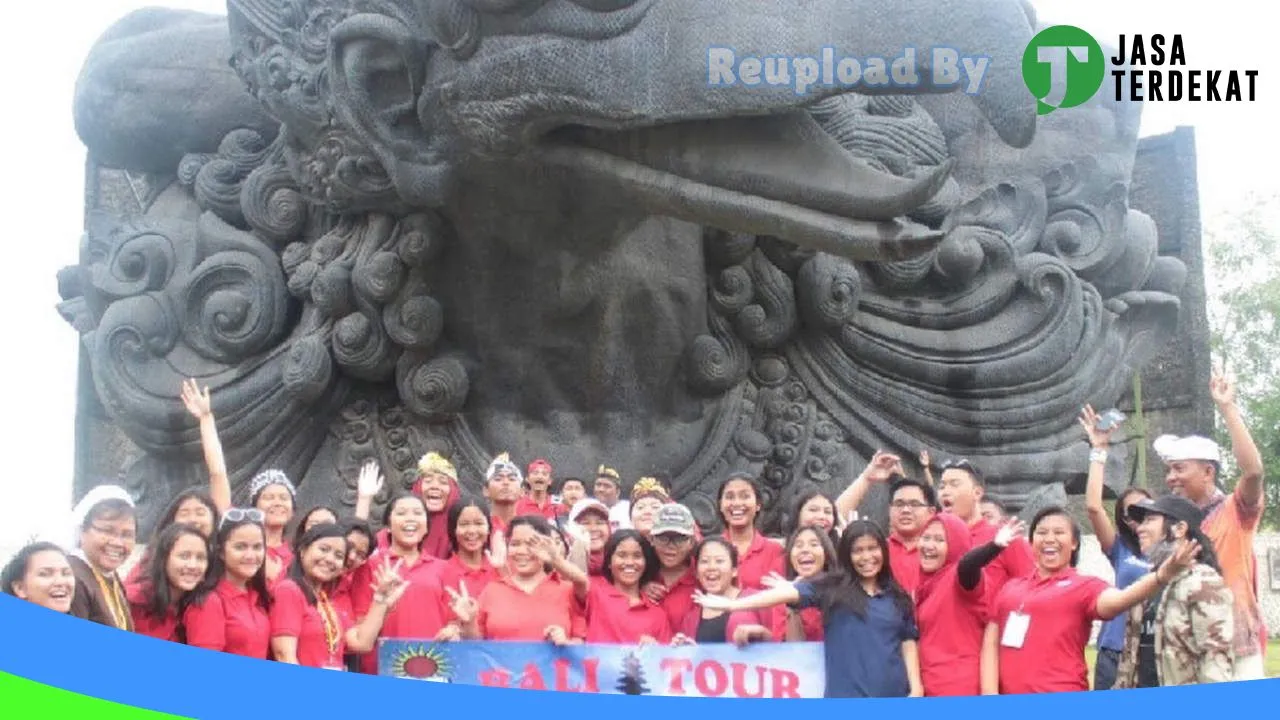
(763, 670)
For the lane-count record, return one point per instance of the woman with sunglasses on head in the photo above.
(107, 526)
(177, 566)
(538, 599)
(229, 613)
(809, 553)
(951, 607)
(870, 643)
(273, 495)
(423, 612)
(1040, 625)
(740, 506)
(618, 610)
(310, 625)
(1119, 542)
(716, 565)
(40, 574)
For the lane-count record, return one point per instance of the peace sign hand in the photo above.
(463, 605)
(388, 585)
(1223, 389)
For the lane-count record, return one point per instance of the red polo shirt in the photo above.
(509, 613)
(284, 554)
(420, 614)
(549, 510)
(1062, 608)
(679, 598)
(905, 563)
(1015, 561)
(810, 620)
(952, 621)
(292, 616)
(613, 618)
(230, 620)
(455, 572)
(165, 628)
(763, 557)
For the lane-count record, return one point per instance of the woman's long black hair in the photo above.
(843, 588)
(755, 489)
(1125, 534)
(309, 538)
(159, 594)
(455, 512)
(391, 506)
(170, 514)
(793, 517)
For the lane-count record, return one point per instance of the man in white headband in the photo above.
(504, 486)
(1193, 465)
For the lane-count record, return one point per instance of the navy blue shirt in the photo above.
(863, 658)
(1129, 569)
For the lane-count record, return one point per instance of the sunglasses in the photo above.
(961, 464)
(235, 515)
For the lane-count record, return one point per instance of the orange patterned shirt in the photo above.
(1231, 526)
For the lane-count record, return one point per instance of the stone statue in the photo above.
(377, 228)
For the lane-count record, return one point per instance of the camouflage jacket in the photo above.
(1194, 628)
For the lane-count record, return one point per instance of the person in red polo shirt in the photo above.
(1039, 625)
(531, 603)
(951, 607)
(809, 553)
(311, 625)
(758, 557)
(911, 504)
(479, 557)
(178, 564)
(232, 616)
(674, 534)
(618, 610)
(961, 494)
(503, 483)
(538, 501)
(423, 612)
(272, 493)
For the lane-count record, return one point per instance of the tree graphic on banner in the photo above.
(631, 681)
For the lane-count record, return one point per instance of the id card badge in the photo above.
(1015, 630)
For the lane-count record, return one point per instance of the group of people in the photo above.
(955, 599)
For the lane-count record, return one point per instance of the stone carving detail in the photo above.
(462, 237)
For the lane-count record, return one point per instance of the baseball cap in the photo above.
(674, 518)
(1170, 506)
(1172, 448)
(586, 504)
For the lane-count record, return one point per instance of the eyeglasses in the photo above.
(235, 515)
(125, 535)
(908, 505)
(671, 540)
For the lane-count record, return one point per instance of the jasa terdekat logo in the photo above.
(1065, 66)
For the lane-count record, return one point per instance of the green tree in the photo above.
(1243, 283)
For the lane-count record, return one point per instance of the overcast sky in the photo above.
(43, 193)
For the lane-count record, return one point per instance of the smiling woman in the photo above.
(108, 530)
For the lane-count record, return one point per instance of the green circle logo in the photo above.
(1063, 67)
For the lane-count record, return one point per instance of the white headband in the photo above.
(271, 477)
(96, 496)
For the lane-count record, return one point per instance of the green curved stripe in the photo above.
(21, 699)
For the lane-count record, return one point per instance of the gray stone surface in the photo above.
(542, 232)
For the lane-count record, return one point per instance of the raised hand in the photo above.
(883, 466)
(370, 481)
(198, 402)
(462, 604)
(388, 585)
(1012, 529)
(1089, 421)
(497, 552)
(924, 459)
(1184, 556)
(1223, 389)
(774, 580)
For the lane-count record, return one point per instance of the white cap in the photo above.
(584, 505)
(99, 494)
(1172, 448)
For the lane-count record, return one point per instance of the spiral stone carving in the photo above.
(308, 369)
(272, 204)
(827, 290)
(362, 348)
(432, 389)
(415, 321)
(718, 361)
(770, 320)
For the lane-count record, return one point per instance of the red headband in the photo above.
(539, 463)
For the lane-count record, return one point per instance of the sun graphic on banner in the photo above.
(422, 662)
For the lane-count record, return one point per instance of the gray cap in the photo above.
(674, 518)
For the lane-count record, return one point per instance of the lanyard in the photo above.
(111, 594)
(329, 619)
